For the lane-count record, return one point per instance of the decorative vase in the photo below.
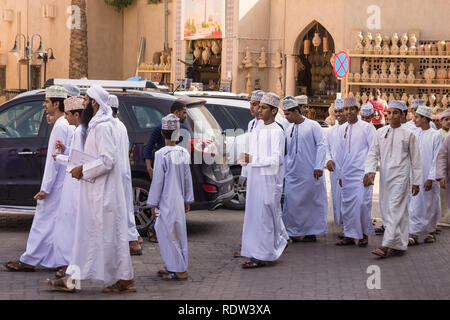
(404, 47)
(420, 49)
(368, 48)
(434, 49)
(377, 48)
(384, 96)
(394, 47)
(441, 75)
(215, 48)
(374, 77)
(358, 97)
(410, 99)
(429, 74)
(357, 77)
(386, 40)
(306, 46)
(392, 73)
(391, 97)
(365, 74)
(412, 44)
(411, 76)
(444, 101)
(425, 98)
(261, 61)
(359, 47)
(364, 97)
(404, 97)
(350, 77)
(402, 75)
(441, 48)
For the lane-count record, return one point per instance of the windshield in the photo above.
(203, 124)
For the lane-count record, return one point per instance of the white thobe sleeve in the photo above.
(51, 166)
(321, 152)
(328, 156)
(107, 154)
(156, 188)
(275, 158)
(188, 187)
(416, 161)
(441, 161)
(373, 156)
(62, 159)
(437, 142)
(339, 157)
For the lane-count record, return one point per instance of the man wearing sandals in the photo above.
(425, 209)
(397, 150)
(264, 237)
(354, 138)
(101, 250)
(444, 131)
(305, 208)
(170, 195)
(40, 245)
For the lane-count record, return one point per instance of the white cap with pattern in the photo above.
(302, 100)
(73, 103)
(397, 104)
(113, 101)
(424, 111)
(257, 95)
(338, 104)
(170, 122)
(289, 102)
(271, 99)
(367, 109)
(56, 92)
(416, 103)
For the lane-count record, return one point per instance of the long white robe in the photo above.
(171, 188)
(124, 151)
(252, 125)
(264, 236)
(445, 212)
(40, 249)
(425, 208)
(64, 231)
(398, 152)
(355, 141)
(331, 147)
(305, 208)
(101, 250)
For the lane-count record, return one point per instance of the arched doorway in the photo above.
(313, 72)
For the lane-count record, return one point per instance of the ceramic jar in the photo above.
(429, 74)
(441, 75)
(368, 48)
(412, 44)
(394, 47)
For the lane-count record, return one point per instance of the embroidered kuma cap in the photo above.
(56, 92)
(416, 103)
(367, 109)
(424, 111)
(170, 122)
(289, 102)
(397, 104)
(271, 99)
(350, 102)
(445, 114)
(73, 103)
(257, 95)
(302, 100)
(338, 104)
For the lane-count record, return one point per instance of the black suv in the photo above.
(24, 135)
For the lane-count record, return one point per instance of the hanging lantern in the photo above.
(306, 46)
(316, 40)
(325, 43)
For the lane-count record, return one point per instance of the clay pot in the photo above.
(447, 47)
(429, 74)
(441, 48)
(441, 75)
(434, 49)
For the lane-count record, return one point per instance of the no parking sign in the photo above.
(341, 64)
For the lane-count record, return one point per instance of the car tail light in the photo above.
(203, 146)
(209, 188)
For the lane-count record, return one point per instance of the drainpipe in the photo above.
(166, 25)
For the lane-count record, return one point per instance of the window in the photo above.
(147, 117)
(223, 119)
(241, 115)
(21, 121)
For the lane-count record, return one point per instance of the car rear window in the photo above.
(223, 119)
(22, 120)
(241, 116)
(147, 117)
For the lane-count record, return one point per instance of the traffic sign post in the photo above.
(341, 66)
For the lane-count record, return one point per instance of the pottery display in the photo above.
(441, 75)
(247, 61)
(391, 97)
(365, 75)
(404, 97)
(420, 49)
(392, 73)
(358, 97)
(350, 77)
(248, 86)
(377, 48)
(368, 48)
(359, 47)
(350, 94)
(206, 55)
(410, 78)
(215, 48)
(364, 97)
(261, 61)
(384, 76)
(276, 62)
(385, 49)
(447, 47)
(410, 99)
(394, 47)
(402, 75)
(374, 77)
(316, 41)
(404, 47)
(434, 49)
(412, 44)
(357, 77)
(432, 100)
(429, 74)
(384, 96)
(425, 98)
(444, 101)
(441, 48)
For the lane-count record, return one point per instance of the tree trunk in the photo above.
(78, 63)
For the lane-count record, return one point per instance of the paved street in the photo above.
(305, 271)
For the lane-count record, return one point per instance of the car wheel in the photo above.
(142, 212)
(238, 200)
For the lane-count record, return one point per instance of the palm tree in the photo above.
(78, 63)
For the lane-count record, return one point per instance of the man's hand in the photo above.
(318, 174)
(247, 158)
(331, 165)
(77, 172)
(443, 183)
(369, 179)
(187, 207)
(428, 185)
(415, 190)
(40, 195)
(148, 164)
(340, 183)
(154, 211)
(54, 156)
(60, 145)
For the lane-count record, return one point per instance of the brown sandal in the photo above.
(413, 240)
(17, 266)
(430, 239)
(345, 242)
(382, 252)
(61, 272)
(60, 285)
(364, 241)
(120, 287)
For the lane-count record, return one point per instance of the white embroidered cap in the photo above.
(56, 92)
(170, 122)
(397, 104)
(445, 114)
(271, 99)
(257, 95)
(73, 103)
(302, 100)
(367, 109)
(289, 102)
(113, 101)
(338, 104)
(416, 103)
(424, 111)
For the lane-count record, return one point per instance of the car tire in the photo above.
(142, 212)
(238, 200)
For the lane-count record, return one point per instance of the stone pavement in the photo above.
(305, 271)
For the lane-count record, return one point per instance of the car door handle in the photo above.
(27, 153)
